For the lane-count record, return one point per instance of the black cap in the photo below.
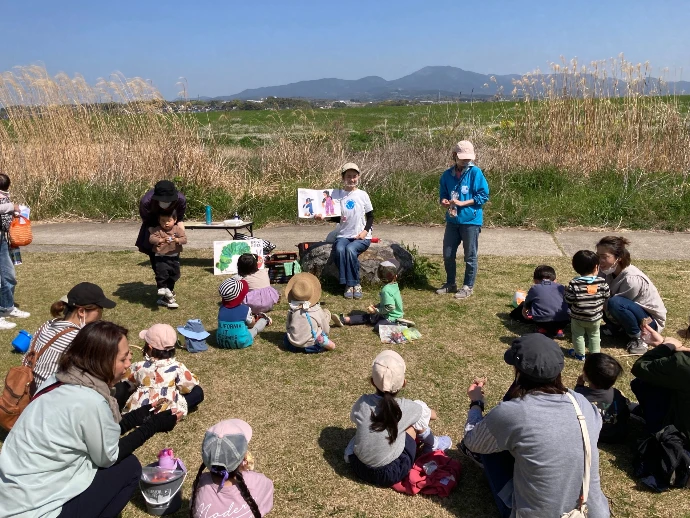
(86, 293)
(164, 191)
(536, 356)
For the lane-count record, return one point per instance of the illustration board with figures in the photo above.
(324, 202)
(226, 253)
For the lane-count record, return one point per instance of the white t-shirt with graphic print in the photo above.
(353, 207)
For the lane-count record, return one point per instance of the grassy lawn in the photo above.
(298, 405)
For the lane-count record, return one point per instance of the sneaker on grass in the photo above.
(17, 313)
(336, 320)
(349, 292)
(6, 324)
(357, 292)
(574, 355)
(637, 346)
(464, 292)
(162, 292)
(447, 288)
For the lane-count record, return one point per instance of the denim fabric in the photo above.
(310, 349)
(498, 468)
(346, 255)
(8, 277)
(628, 315)
(468, 235)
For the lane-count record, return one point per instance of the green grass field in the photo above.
(298, 405)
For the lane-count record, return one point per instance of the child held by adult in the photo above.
(389, 310)
(262, 296)
(237, 326)
(232, 487)
(544, 304)
(167, 240)
(160, 380)
(586, 296)
(308, 324)
(388, 427)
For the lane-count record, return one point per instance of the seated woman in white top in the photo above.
(64, 456)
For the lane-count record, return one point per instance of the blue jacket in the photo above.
(471, 186)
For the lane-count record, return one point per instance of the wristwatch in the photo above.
(478, 403)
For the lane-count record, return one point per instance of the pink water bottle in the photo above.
(166, 459)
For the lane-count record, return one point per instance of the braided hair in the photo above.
(238, 479)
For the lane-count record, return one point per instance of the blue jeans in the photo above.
(347, 258)
(627, 314)
(498, 468)
(468, 235)
(8, 278)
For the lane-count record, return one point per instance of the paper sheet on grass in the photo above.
(397, 334)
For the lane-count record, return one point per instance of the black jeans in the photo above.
(167, 270)
(358, 319)
(654, 402)
(109, 492)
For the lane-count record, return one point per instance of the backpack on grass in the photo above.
(19, 383)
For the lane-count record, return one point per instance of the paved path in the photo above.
(92, 236)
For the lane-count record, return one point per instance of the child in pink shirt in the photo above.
(231, 488)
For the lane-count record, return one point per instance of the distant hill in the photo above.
(428, 82)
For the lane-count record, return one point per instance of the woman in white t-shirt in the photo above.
(353, 233)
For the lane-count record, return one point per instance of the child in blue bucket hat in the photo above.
(195, 335)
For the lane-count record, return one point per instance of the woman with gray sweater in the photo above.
(531, 445)
(633, 295)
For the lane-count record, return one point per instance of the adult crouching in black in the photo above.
(163, 198)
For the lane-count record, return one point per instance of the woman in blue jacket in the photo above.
(463, 192)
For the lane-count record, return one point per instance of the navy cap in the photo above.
(535, 356)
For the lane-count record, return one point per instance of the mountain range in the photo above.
(428, 82)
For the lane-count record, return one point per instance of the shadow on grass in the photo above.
(138, 293)
(274, 337)
(333, 441)
(139, 502)
(197, 262)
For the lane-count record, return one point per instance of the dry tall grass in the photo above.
(578, 119)
(58, 131)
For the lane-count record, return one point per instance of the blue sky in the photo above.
(223, 47)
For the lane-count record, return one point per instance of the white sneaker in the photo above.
(17, 313)
(5, 324)
(169, 294)
(161, 292)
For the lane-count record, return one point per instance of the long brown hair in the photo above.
(94, 350)
(238, 480)
(524, 386)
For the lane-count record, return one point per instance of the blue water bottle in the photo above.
(209, 220)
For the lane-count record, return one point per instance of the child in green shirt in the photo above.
(389, 310)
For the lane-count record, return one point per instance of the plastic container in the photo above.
(161, 488)
(16, 255)
(209, 219)
(22, 341)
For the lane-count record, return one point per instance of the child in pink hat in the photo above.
(160, 379)
(231, 488)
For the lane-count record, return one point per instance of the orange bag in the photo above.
(20, 232)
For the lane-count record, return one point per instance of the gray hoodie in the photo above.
(634, 285)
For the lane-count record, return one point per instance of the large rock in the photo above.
(318, 259)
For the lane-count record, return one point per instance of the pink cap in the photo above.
(464, 150)
(159, 336)
(388, 371)
(232, 427)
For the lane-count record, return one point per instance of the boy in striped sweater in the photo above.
(586, 295)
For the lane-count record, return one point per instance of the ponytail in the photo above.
(244, 491)
(388, 417)
(194, 488)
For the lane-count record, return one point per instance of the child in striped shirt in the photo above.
(586, 295)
